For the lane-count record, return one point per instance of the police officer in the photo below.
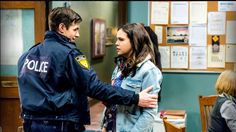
(55, 79)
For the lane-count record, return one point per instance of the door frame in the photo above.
(9, 98)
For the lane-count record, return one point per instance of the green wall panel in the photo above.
(107, 10)
(137, 12)
(181, 91)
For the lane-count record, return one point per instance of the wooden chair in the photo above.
(206, 104)
(169, 127)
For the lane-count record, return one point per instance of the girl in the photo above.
(135, 70)
(223, 116)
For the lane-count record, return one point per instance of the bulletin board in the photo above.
(173, 44)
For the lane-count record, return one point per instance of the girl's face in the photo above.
(123, 45)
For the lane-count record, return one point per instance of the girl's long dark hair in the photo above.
(157, 53)
(141, 47)
(154, 39)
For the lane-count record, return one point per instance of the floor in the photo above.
(96, 111)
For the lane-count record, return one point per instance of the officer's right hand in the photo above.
(147, 100)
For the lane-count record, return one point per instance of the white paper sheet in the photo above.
(11, 36)
(160, 13)
(231, 32)
(158, 31)
(179, 13)
(216, 59)
(165, 56)
(226, 5)
(198, 12)
(198, 35)
(216, 23)
(230, 53)
(198, 58)
(179, 57)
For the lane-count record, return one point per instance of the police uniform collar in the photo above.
(63, 39)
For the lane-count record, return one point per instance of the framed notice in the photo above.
(98, 36)
(177, 35)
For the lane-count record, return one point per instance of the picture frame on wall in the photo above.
(177, 35)
(98, 35)
(110, 36)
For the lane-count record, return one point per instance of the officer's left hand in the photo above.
(147, 100)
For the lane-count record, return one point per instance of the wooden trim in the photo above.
(10, 89)
(9, 93)
(8, 82)
(40, 21)
(122, 12)
(17, 4)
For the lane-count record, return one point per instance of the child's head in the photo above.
(62, 15)
(226, 83)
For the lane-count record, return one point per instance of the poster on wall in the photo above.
(158, 31)
(165, 56)
(98, 36)
(198, 12)
(160, 12)
(198, 35)
(226, 5)
(216, 23)
(198, 57)
(230, 53)
(177, 35)
(179, 13)
(179, 57)
(216, 59)
(230, 32)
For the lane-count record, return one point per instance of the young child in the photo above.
(223, 116)
(135, 70)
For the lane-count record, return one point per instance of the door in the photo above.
(22, 26)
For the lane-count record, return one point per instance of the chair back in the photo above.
(206, 104)
(169, 127)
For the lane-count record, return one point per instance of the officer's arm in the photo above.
(85, 81)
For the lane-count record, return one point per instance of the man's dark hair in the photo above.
(62, 15)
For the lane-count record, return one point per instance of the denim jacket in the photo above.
(134, 118)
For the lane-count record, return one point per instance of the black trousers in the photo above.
(52, 126)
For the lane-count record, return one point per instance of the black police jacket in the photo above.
(55, 79)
